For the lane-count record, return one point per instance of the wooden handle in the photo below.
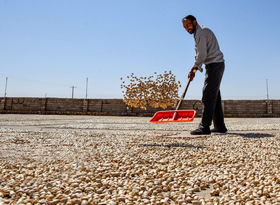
(183, 95)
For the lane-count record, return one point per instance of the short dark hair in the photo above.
(190, 17)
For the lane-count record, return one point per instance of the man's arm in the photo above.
(201, 51)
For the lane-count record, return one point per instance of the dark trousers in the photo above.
(211, 98)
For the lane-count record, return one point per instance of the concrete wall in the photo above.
(232, 108)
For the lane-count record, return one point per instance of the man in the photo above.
(208, 53)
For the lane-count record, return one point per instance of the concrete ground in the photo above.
(50, 159)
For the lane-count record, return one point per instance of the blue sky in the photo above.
(48, 46)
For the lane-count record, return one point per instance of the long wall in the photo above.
(232, 108)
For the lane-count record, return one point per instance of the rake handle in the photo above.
(183, 95)
(186, 88)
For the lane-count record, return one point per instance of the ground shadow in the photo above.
(252, 135)
(171, 145)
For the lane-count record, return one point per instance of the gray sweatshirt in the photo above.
(206, 47)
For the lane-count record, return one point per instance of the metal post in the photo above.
(73, 87)
(86, 88)
(267, 97)
(5, 95)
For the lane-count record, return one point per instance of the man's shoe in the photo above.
(224, 130)
(200, 131)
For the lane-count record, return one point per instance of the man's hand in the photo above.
(192, 73)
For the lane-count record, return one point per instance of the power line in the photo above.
(36, 81)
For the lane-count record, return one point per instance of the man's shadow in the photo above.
(244, 135)
(251, 135)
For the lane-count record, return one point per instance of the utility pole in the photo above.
(73, 87)
(86, 87)
(267, 89)
(5, 95)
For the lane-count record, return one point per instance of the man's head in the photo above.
(189, 23)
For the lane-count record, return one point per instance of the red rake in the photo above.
(175, 115)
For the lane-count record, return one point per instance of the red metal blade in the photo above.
(173, 116)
